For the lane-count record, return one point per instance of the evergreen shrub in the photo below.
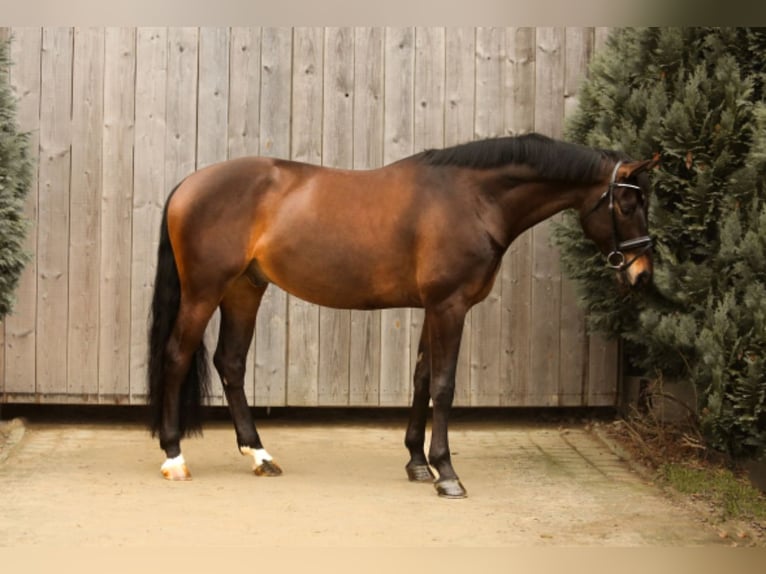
(15, 180)
(696, 97)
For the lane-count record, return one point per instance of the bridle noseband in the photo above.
(616, 258)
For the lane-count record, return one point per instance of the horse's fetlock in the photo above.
(414, 441)
(437, 457)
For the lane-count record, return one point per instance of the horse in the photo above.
(428, 231)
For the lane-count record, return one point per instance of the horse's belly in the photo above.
(341, 278)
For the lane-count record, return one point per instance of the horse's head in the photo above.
(615, 216)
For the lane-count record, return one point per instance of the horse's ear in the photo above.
(633, 168)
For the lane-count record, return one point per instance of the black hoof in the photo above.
(450, 488)
(268, 468)
(420, 473)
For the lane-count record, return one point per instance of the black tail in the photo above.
(165, 304)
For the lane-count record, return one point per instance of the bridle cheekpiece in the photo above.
(616, 258)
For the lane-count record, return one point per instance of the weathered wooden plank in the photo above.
(213, 96)
(395, 371)
(116, 214)
(364, 359)
(270, 328)
(601, 35)
(53, 213)
(546, 275)
(85, 209)
(515, 375)
(212, 145)
(337, 151)
(303, 335)
(428, 123)
(149, 192)
(486, 316)
(579, 44)
(603, 371)
(244, 91)
(574, 341)
(20, 326)
(244, 118)
(430, 72)
(181, 105)
(460, 72)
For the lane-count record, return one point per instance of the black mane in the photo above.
(552, 159)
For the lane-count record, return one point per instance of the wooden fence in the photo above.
(119, 115)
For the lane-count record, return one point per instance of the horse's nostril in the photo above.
(643, 279)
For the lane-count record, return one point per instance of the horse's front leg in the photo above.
(445, 328)
(417, 468)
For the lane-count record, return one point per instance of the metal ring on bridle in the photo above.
(616, 260)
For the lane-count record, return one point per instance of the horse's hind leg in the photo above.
(239, 308)
(180, 353)
(417, 468)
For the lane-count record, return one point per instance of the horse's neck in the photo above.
(527, 203)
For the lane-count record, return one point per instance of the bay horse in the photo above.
(427, 231)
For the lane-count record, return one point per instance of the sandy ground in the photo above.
(98, 484)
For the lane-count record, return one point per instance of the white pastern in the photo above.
(259, 455)
(173, 462)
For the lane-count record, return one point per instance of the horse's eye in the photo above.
(628, 200)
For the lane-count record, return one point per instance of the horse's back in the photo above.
(340, 238)
(335, 237)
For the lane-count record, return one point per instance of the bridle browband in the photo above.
(616, 258)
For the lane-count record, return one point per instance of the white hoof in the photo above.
(175, 469)
(263, 464)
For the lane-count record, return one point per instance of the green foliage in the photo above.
(735, 497)
(15, 179)
(696, 97)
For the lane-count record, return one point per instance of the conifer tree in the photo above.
(15, 178)
(696, 97)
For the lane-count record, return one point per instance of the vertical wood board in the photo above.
(20, 372)
(53, 211)
(149, 192)
(116, 214)
(84, 204)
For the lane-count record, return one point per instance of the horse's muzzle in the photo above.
(639, 274)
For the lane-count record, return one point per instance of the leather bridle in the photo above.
(616, 258)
